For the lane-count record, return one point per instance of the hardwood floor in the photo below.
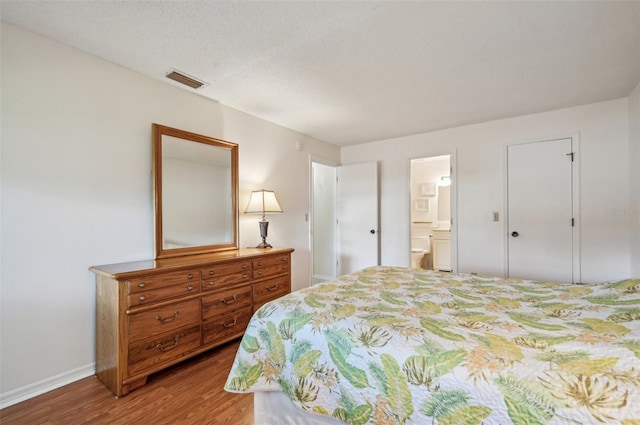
(189, 393)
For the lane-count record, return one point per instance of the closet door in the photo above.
(540, 211)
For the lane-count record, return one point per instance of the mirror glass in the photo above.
(195, 188)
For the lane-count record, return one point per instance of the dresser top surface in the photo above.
(121, 270)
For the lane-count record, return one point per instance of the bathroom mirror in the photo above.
(195, 181)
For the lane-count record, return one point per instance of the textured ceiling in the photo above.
(352, 72)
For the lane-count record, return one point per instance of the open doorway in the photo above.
(431, 213)
(323, 221)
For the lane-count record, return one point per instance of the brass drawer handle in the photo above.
(244, 266)
(227, 302)
(284, 259)
(211, 272)
(190, 276)
(244, 276)
(168, 319)
(141, 285)
(259, 273)
(273, 288)
(168, 347)
(190, 288)
(142, 298)
(235, 320)
(211, 283)
(259, 263)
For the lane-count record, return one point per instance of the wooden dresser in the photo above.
(152, 314)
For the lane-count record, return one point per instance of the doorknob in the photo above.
(372, 231)
(515, 234)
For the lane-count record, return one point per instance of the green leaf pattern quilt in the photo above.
(390, 345)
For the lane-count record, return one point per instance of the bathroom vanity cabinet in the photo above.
(441, 246)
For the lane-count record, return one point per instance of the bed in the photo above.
(390, 345)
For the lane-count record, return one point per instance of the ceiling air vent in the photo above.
(184, 79)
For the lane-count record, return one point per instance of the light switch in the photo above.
(496, 216)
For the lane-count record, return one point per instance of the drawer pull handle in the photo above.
(211, 272)
(259, 273)
(284, 267)
(142, 298)
(284, 259)
(190, 288)
(244, 276)
(141, 285)
(235, 320)
(211, 283)
(168, 319)
(168, 347)
(273, 288)
(259, 263)
(227, 302)
(244, 266)
(190, 276)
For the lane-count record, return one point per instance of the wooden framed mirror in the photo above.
(195, 188)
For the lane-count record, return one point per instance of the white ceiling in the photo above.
(350, 72)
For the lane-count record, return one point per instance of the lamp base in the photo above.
(264, 244)
(264, 227)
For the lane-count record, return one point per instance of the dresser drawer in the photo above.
(149, 353)
(228, 268)
(270, 289)
(225, 326)
(270, 271)
(222, 302)
(162, 293)
(166, 279)
(270, 261)
(219, 282)
(163, 319)
(271, 266)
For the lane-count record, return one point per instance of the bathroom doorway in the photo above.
(431, 209)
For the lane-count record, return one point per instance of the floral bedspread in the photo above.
(397, 346)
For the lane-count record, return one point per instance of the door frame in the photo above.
(575, 200)
(454, 204)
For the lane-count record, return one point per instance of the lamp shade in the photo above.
(263, 202)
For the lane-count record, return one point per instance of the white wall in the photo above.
(634, 167)
(479, 170)
(76, 192)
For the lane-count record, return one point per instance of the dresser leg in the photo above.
(133, 385)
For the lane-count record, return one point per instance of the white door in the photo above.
(357, 216)
(540, 211)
